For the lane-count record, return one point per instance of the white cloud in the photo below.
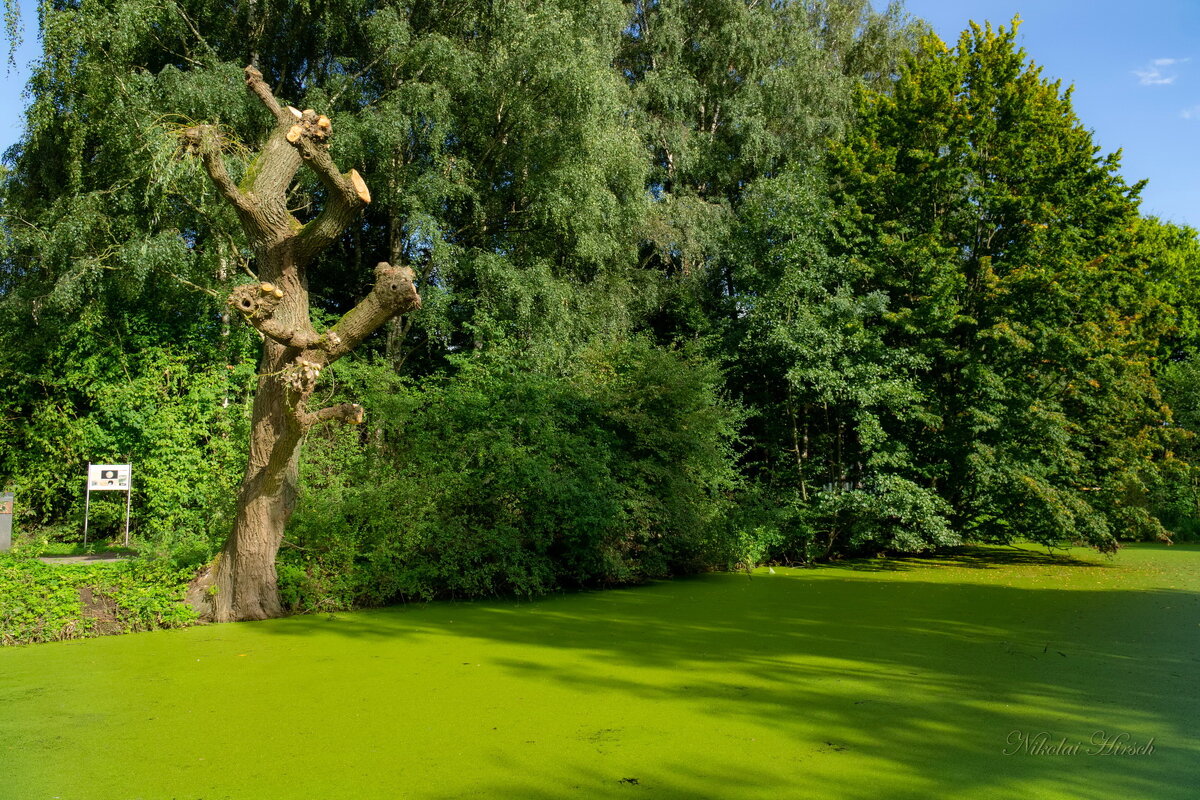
(1190, 113)
(1153, 74)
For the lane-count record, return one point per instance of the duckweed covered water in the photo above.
(874, 679)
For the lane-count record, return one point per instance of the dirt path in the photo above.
(92, 558)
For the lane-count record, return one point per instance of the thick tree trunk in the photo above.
(241, 582)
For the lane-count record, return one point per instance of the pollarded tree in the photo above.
(241, 582)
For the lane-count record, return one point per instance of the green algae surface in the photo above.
(997, 674)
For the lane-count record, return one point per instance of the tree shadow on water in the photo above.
(973, 557)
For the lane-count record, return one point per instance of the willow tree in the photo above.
(241, 582)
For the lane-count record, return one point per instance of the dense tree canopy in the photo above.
(704, 282)
(1002, 240)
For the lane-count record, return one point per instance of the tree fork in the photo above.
(240, 584)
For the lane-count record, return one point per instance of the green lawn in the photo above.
(876, 679)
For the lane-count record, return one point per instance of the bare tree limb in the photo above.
(347, 194)
(348, 413)
(309, 133)
(195, 31)
(256, 84)
(394, 293)
(350, 81)
(205, 140)
(191, 285)
(288, 336)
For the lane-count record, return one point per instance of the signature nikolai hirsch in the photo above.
(1101, 743)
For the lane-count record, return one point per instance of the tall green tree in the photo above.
(837, 404)
(1003, 241)
(728, 92)
(1170, 256)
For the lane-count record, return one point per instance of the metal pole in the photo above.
(128, 503)
(87, 507)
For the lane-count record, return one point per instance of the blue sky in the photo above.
(1135, 67)
(12, 79)
(1136, 71)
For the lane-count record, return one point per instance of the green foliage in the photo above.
(1177, 496)
(1170, 256)
(727, 92)
(43, 602)
(1002, 241)
(502, 478)
(829, 387)
(496, 144)
(931, 295)
(156, 407)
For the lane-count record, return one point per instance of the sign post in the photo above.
(6, 512)
(108, 478)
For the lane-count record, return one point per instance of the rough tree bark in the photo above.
(240, 584)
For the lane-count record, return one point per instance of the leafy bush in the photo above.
(504, 478)
(43, 602)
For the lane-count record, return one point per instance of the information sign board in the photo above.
(108, 477)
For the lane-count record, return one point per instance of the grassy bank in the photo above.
(881, 678)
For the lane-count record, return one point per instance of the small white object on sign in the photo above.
(108, 477)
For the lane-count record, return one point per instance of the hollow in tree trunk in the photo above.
(241, 584)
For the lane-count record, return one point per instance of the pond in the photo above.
(989, 673)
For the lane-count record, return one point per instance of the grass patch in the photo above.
(885, 678)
